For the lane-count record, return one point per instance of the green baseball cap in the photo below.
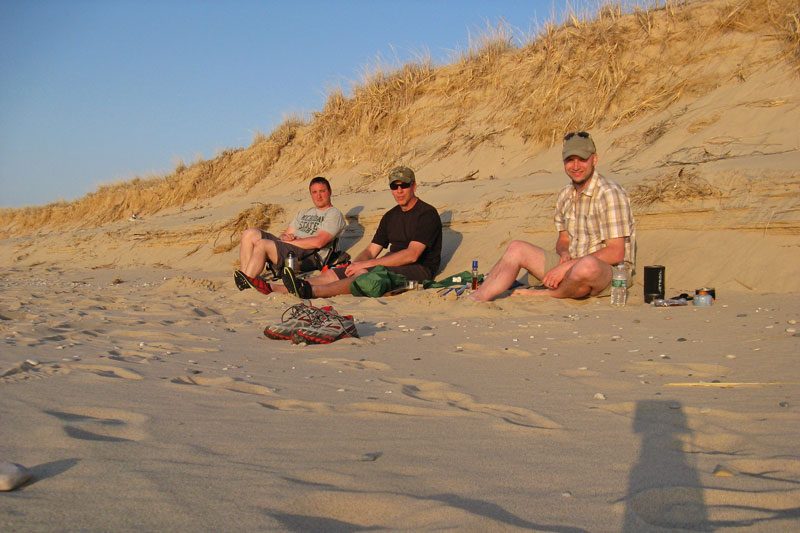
(402, 174)
(578, 143)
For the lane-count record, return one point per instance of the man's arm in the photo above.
(401, 257)
(320, 240)
(369, 257)
(360, 262)
(562, 246)
(287, 235)
(613, 252)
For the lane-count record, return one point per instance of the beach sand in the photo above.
(149, 399)
(137, 386)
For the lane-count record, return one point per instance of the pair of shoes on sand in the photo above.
(243, 281)
(312, 325)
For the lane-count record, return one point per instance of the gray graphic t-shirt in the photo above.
(308, 222)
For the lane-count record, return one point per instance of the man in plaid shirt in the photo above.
(596, 230)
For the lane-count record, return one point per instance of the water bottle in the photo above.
(475, 275)
(619, 286)
(291, 261)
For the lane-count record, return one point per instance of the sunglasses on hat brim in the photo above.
(569, 136)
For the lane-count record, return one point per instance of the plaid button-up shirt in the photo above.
(601, 212)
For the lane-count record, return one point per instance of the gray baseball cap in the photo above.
(578, 143)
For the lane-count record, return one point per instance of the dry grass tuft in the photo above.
(681, 186)
(260, 215)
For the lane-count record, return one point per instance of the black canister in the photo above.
(653, 282)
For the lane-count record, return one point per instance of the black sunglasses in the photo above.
(569, 136)
(401, 185)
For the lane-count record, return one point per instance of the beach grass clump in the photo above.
(683, 185)
(259, 215)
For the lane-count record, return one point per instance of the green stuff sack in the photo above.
(376, 283)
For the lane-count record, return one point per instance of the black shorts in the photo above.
(307, 260)
(414, 272)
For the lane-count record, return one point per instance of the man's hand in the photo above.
(553, 278)
(286, 237)
(354, 268)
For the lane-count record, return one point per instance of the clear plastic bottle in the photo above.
(619, 286)
(474, 275)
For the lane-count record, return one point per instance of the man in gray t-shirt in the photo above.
(312, 230)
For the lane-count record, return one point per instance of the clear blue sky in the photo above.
(95, 92)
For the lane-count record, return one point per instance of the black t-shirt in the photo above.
(421, 223)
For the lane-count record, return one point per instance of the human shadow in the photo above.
(354, 230)
(451, 239)
(664, 490)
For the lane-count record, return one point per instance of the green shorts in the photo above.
(551, 260)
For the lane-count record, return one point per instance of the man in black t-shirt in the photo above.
(412, 230)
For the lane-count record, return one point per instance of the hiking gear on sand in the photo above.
(240, 279)
(377, 282)
(257, 283)
(301, 315)
(332, 329)
(299, 287)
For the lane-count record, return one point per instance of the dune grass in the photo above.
(260, 215)
(592, 71)
(681, 185)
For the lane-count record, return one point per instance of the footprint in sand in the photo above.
(440, 402)
(106, 371)
(351, 364)
(441, 393)
(158, 335)
(29, 370)
(225, 383)
(469, 349)
(705, 432)
(298, 406)
(706, 509)
(344, 510)
(102, 424)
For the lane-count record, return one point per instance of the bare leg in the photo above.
(341, 286)
(518, 255)
(324, 285)
(589, 276)
(249, 239)
(328, 284)
(263, 250)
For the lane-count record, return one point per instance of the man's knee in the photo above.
(588, 268)
(517, 248)
(522, 252)
(324, 278)
(251, 235)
